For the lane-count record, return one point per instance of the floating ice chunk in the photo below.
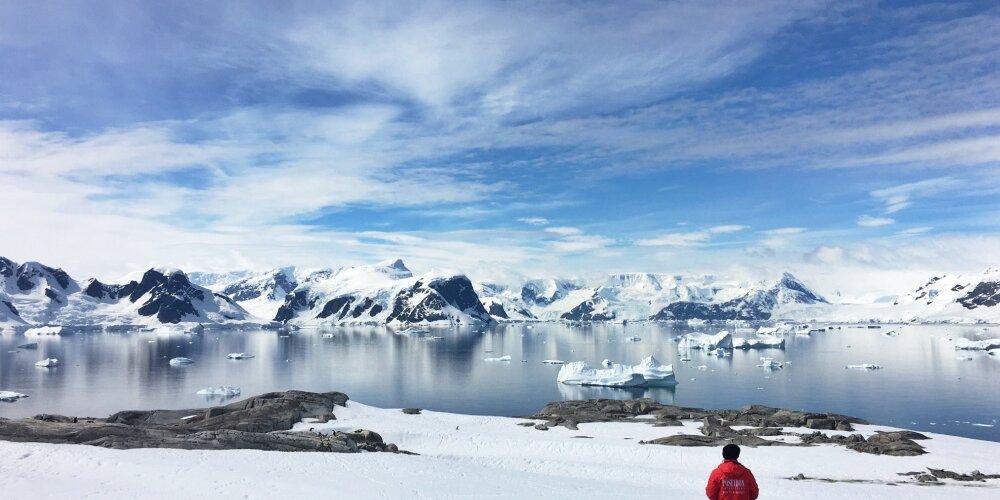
(865, 366)
(976, 345)
(44, 330)
(10, 396)
(606, 363)
(721, 340)
(553, 362)
(239, 355)
(964, 358)
(222, 390)
(770, 363)
(413, 331)
(767, 330)
(581, 373)
(769, 342)
(891, 333)
(702, 367)
(181, 361)
(47, 363)
(327, 335)
(501, 358)
(655, 373)
(633, 339)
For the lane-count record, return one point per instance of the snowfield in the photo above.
(484, 457)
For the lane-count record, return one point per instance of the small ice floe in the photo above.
(11, 396)
(327, 335)
(501, 358)
(702, 367)
(44, 330)
(685, 358)
(222, 390)
(770, 363)
(48, 363)
(865, 366)
(413, 331)
(974, 424)
(181, 361)
(239, 355)
(964, 358)
(891, 333)
(553, 362)
(633, 339)
(30, 345)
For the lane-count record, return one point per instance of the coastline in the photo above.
(463, 456)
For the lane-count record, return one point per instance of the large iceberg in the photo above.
(648, 373)
(581, 373)
(761, 342)
(721, 340)
(44, 330)
(10, 396)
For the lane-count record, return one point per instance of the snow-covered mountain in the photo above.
(643, 296)
(384, 293)
(953, 298)
(262, 294)
(38, 294)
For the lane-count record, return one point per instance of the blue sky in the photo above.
(855, 143)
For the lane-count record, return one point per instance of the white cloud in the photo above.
(869, 221)
(784, 231)
(564, 231)
(534, 221)
(689, 239)
(899, 197)
(914, 231)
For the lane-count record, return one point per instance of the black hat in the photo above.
(730, 452)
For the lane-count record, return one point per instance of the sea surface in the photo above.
(925, 384)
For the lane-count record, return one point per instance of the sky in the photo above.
(853, 143)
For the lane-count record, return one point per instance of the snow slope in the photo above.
(470, 457)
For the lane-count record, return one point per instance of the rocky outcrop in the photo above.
(262, 422)
(717, 425)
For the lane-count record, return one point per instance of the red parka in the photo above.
(731, 481)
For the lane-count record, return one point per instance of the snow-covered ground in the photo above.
(483, 457)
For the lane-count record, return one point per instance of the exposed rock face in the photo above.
(259, 423)
(985, 294)
(594, 309)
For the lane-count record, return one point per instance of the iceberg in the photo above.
(48, 363)
(239, 355)
(633, 339)
(44, 330)
(581, 373)
(10, 396)
(865, 366)
(767, 330)
(721, 340)
(976, 345)
(553, 362)
(770, 363)
(655, 373)
(181, 361)
(501, 358)
(222, 390)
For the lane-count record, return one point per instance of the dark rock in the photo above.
(411, 411)
(798, 477)
(542, 427)
(926, 478)
(261, 423)
(973, 476)
(526, 424)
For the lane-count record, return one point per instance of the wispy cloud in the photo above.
(869, 221)
(899, 197)
(534, 221)
(689, 239)
(784, 231)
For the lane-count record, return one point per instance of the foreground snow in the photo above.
(481, 457)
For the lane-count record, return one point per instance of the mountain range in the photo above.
(389, 293)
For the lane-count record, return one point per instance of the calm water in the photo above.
(922, 386)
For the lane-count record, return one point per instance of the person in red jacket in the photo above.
(731, 480)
